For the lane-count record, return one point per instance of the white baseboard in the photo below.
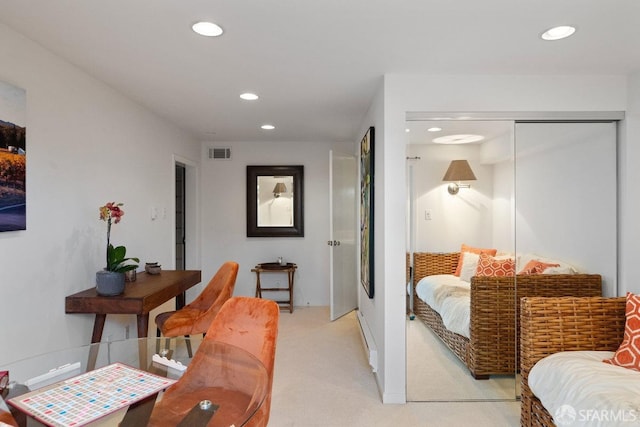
(368, 343)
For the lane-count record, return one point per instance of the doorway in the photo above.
(342, 240)
(180, 216)
(186, 250)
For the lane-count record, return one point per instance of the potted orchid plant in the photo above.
(110, 281)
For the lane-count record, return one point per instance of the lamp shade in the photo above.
(459, 170)
(279, 188)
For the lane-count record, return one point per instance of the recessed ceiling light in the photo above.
(268, 127)
(248, 96)
(458, 139)
(434, 129)
(407, 130)
(557, 33)
(207, 29)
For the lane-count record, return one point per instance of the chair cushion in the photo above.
(181, 322)
(7, 419)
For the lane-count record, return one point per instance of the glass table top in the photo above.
(234, 372)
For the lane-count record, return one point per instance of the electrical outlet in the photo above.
(427, 215)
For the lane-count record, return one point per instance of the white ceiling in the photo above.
(489, 129)
(315, 63)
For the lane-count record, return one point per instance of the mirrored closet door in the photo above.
(527, 205)
(463, 194)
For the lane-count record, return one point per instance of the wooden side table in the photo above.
(274, 267)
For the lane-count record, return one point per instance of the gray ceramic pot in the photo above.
(109, 283)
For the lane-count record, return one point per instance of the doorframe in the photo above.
(545, 116)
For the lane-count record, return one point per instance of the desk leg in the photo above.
(291, 291)
(143, 326)
(98, 326)
(181, 301)
(258, 289)
(96, 336)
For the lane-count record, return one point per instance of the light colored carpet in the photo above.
(322, 379)
(435, 373)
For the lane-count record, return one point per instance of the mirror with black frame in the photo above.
(275, 201)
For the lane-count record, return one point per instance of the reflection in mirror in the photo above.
(577, 226)
(275, 201)
(451, 354)
(533, 201)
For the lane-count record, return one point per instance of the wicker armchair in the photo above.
(551, 325)
(494, 325)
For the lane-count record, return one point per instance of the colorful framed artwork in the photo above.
(13, 158)
(366, 211)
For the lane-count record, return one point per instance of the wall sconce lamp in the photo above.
(279, 189)
(459, 170)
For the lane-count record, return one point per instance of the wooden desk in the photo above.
(139, 298)
(272, 267)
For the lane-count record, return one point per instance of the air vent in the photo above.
(218, 153)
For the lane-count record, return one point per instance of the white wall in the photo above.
(224, 218)
(373, 310)
(466, 217)
(565, 198)
(458, 93)
(503, 205)
(629, 174)
(86, 145)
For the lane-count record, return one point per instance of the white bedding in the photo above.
(578, 389)
(450, 297)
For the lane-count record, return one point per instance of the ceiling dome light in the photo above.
(248, 96)
(207, 29)
(458, 139)
(268, 127)
(434, 129)
(557, 33)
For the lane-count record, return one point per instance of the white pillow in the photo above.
(469, 265)
(564, 268)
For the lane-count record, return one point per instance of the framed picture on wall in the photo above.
(366, 211)
(13, 158)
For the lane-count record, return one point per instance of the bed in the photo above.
(490, 348)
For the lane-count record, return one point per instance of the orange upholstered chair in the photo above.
(195, 318)
(7, 418)
(248, 323)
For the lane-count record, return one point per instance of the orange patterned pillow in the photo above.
(628, 354)
(489, 266)
(536, 267)
(464, 248)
